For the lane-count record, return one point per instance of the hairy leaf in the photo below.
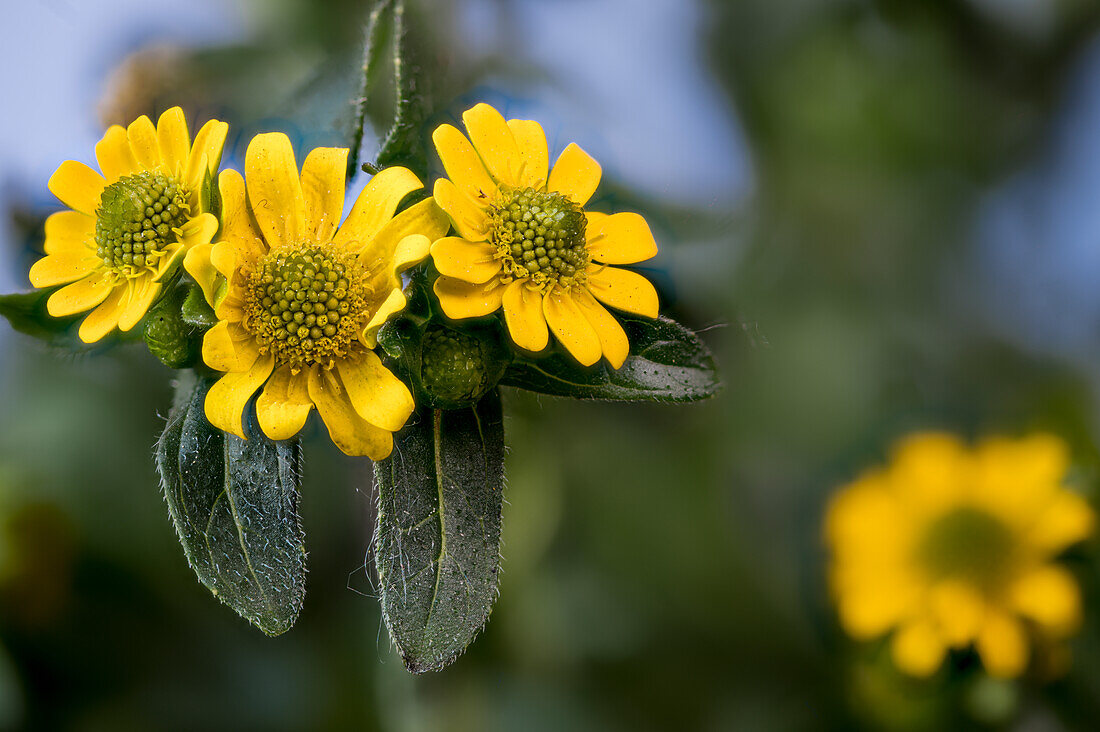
(437, 547)
(667, 363)
(26, 312)
(234, 504)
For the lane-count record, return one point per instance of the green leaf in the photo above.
(26, 312)
(667, 363)
(437, 547)
(234, 504)
(387, 28)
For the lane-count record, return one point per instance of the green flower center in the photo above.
(306, 305)
(967, 544)
(452, 365)
(139, 216)
(540, 236)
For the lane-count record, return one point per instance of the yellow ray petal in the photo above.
(198, 265)
(533, 153)
(174, 140)
(60, 269)
(69, 231)
(274, 189)
(929, 472)
(1002, 645)
(622, 238)
(958, 608)
(524, 317)
(81, 295)
(1048, 595)
(411, 250)
(468, 217)
(424, 218)
(78, 186)
(237, 225)
(229, 347)
(623, 290)
(469, 261)
(143, 143)
(206, 153)
(575, 174)
(141, 297)
(462, 164)
(224, 256)
(285, 405)
(172, 255)
(494, 142)
(198, 230)
(463, 300)
(104, 318)
(113, 154)
(323, 187)
(917, 649)
(375, 207)
(570, 326)
(613, 341)
(375, 393)
(349, 432)
(226, 400)
(393, 304)
(1066, 520)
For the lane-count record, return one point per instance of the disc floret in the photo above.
(138, 217)
(539, 236)
(307, 304)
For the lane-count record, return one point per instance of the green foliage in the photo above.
(26, 312)
(667, 363)
(234, 504)
(196, 312)
(437, 546)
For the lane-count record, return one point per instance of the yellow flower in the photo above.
(952, 546)
(129, 226)
(526, 244)
(304, 300)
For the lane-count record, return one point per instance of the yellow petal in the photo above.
(237, 225)
(226, 400)
(229, 347)
(376, 394)
(613, 341)
(622, 238)
(917, 649)
(274, 189)
(198, 230)
(463, 300)
(494, 142)
(69, 232)
(198, 265)
(1002, 645)
(462, 164)
(1048, 595)
(78, 186)
(172, 254)
(224, 256)
(375, 207)
(575, 175)
(411, 250)
(424, 219)
(1067, 519)
(59, 269)
(143, 292)
(323, 187)
(394, 303)
(523, 315)
(81, 295)
(174, 139)
(349, 432)
(929, 471)
(104, 318)
(570, 326)
(958, 608)
(623, 290)
(468, 217)
(469, 261)
(206, 152)
(1016, 478)
(143, 143)
(868, 609)
(285, 405)
(533, 153)
(113, 154)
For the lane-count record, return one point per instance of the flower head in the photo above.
(951, 546)
(130, 225)
(304, 298)
(526, 245)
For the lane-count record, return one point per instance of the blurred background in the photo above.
(882, 215)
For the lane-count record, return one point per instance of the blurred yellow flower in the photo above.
(951, 546)
(130, 226)
(304, 297)
(526, 244)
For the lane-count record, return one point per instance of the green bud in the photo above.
(452, 365)
(168, 336)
